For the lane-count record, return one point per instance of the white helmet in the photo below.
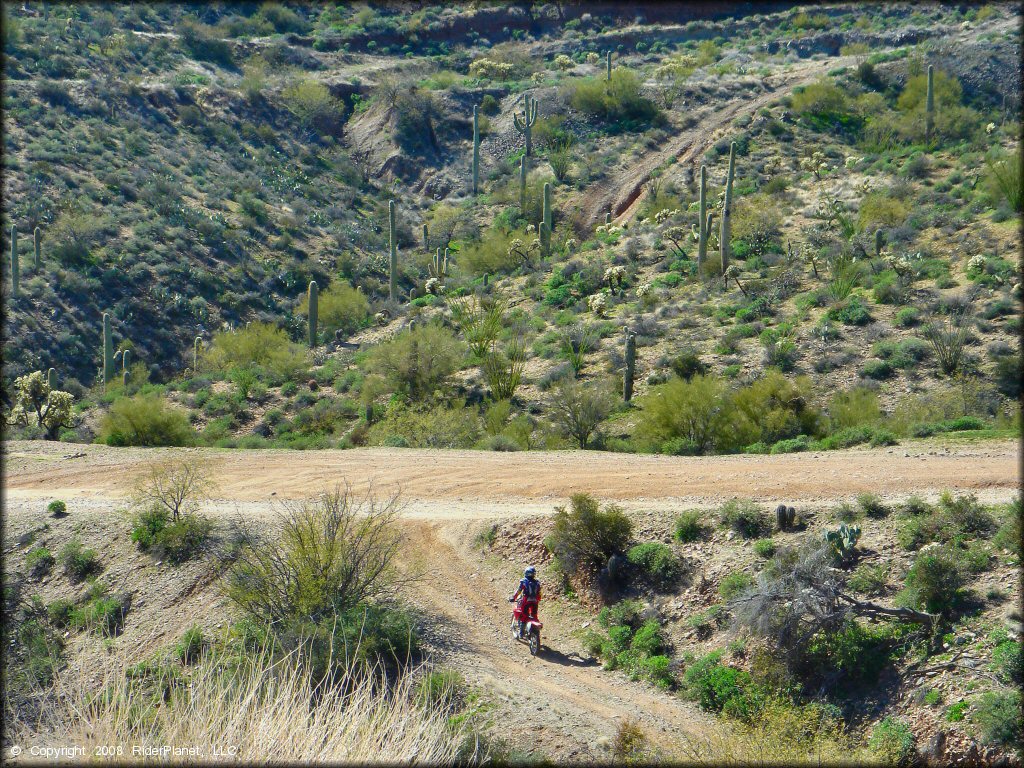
(530, 572)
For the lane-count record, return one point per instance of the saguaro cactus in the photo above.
(37, 238)
(548, 219)
(525, 126)
(108, 350)
(51, 379)
(627, 379)
(126, 359)
(426, 237)
(393, 264)
(522, 185)
(727, 209)
(313, 297)
(929, 106)
(15, 272)
(196, 346)
(608, 217)
(702, 234)
(476, 151)
(879, 241)
(544, 233)
(608, 65)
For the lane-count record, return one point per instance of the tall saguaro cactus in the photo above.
(108, 350)
(15, 271)
(879, 242)
(525, 126)
(426, 237)
(544, 233)
(37, 238)
(522, 185)
(727, 209)
(548, 218)
(51, 379)
(393, 264)
(126, 359)
(476, 151)
(196, 346)
(627, 379)
(608, 65)
(929, 106)
(313, 299)
(702, 234)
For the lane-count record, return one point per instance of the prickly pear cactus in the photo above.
(843, 540)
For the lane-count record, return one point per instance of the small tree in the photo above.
(418, 361)
(50, 408)
(585, 536)
(579, 408)
(178, 486)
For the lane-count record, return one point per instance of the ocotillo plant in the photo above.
(426, 237)
(522, 185)
(51, 379)
(547, 206)
(196, 345)
(108, 350)
(525, 126)
(476, 151)
(608, 66)
(727, 209)
(37, 238)
(393, 264)
(313, 299)
(627, 379)
(15, 272)
(702, 234)
(929, 106)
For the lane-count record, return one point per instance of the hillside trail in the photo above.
(623, 191)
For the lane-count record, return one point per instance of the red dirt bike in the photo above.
(526, 626)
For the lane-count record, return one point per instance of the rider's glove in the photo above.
(511, 599)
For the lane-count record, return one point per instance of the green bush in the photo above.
(658, 563)
(893, 741)
(190, 646)
(440, 426)
(997, 714)
(619, 102)
(39, 561)
(203, 44)
(440, 688)
(716, 687)
(145, 420)
(313, 105)
(734, 584)
(147, 525)
(933, 581)
(260, 344)
(59, 613)
(78, 563)
(872, 506)
(100, 613)
(57, 508)
(1007, 662)
(876, 369)
(869, 579)
(339, 308)
(966, 513)
(744, 517)
(176, 541)
(418, 361)
(764, 548)
(689, 526)
(854, 407)
(585, 536)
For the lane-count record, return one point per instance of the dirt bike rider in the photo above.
(529, 588)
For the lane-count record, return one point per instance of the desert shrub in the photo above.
(933, 582)
(190, 646)
(657, 562)
(997, 714)
(489, 105)
(820, 101)
(313, 105)
(259, 344)
(497, 252)
(966, 513)
(775, 408)
(744, 517)
(630, 744)
(441, 688)
(892, 740)
(418, 361)
(689, 526)
(764, 548)
(585, 536)
(415, 112)
(203, 44)
(183, 538)
(689, 410)
(101, 613)
(850, 312)
(39, 561)
(868, 579)
(876, 369)
(78, 563)
(717, 687)
(578, 408)
(439, 426)
(147, 525)
(879, 210)
(907, 317)
(340, 308)
(688, 364)
(145, 420)
(59, 613)
(620, 101)
(734, 584)
(871, 505)
(854, 407)
(1008, 662)
(57, 508)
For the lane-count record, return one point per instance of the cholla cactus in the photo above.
(593, 59)
(614, 275)
(643, 289)
(772, 166)
(851, 161)
(488, 69)
(665, 214)
(990, 128)
(976, 263)
(531, 228)
(564, 63)
(816, 164)
(571, 245)
(434, 286)
(598, 304)
(517, 250)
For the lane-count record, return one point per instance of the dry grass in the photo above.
(267, 710)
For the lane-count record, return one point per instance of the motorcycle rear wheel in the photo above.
(534, 641)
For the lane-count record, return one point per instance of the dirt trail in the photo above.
(475, 484)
